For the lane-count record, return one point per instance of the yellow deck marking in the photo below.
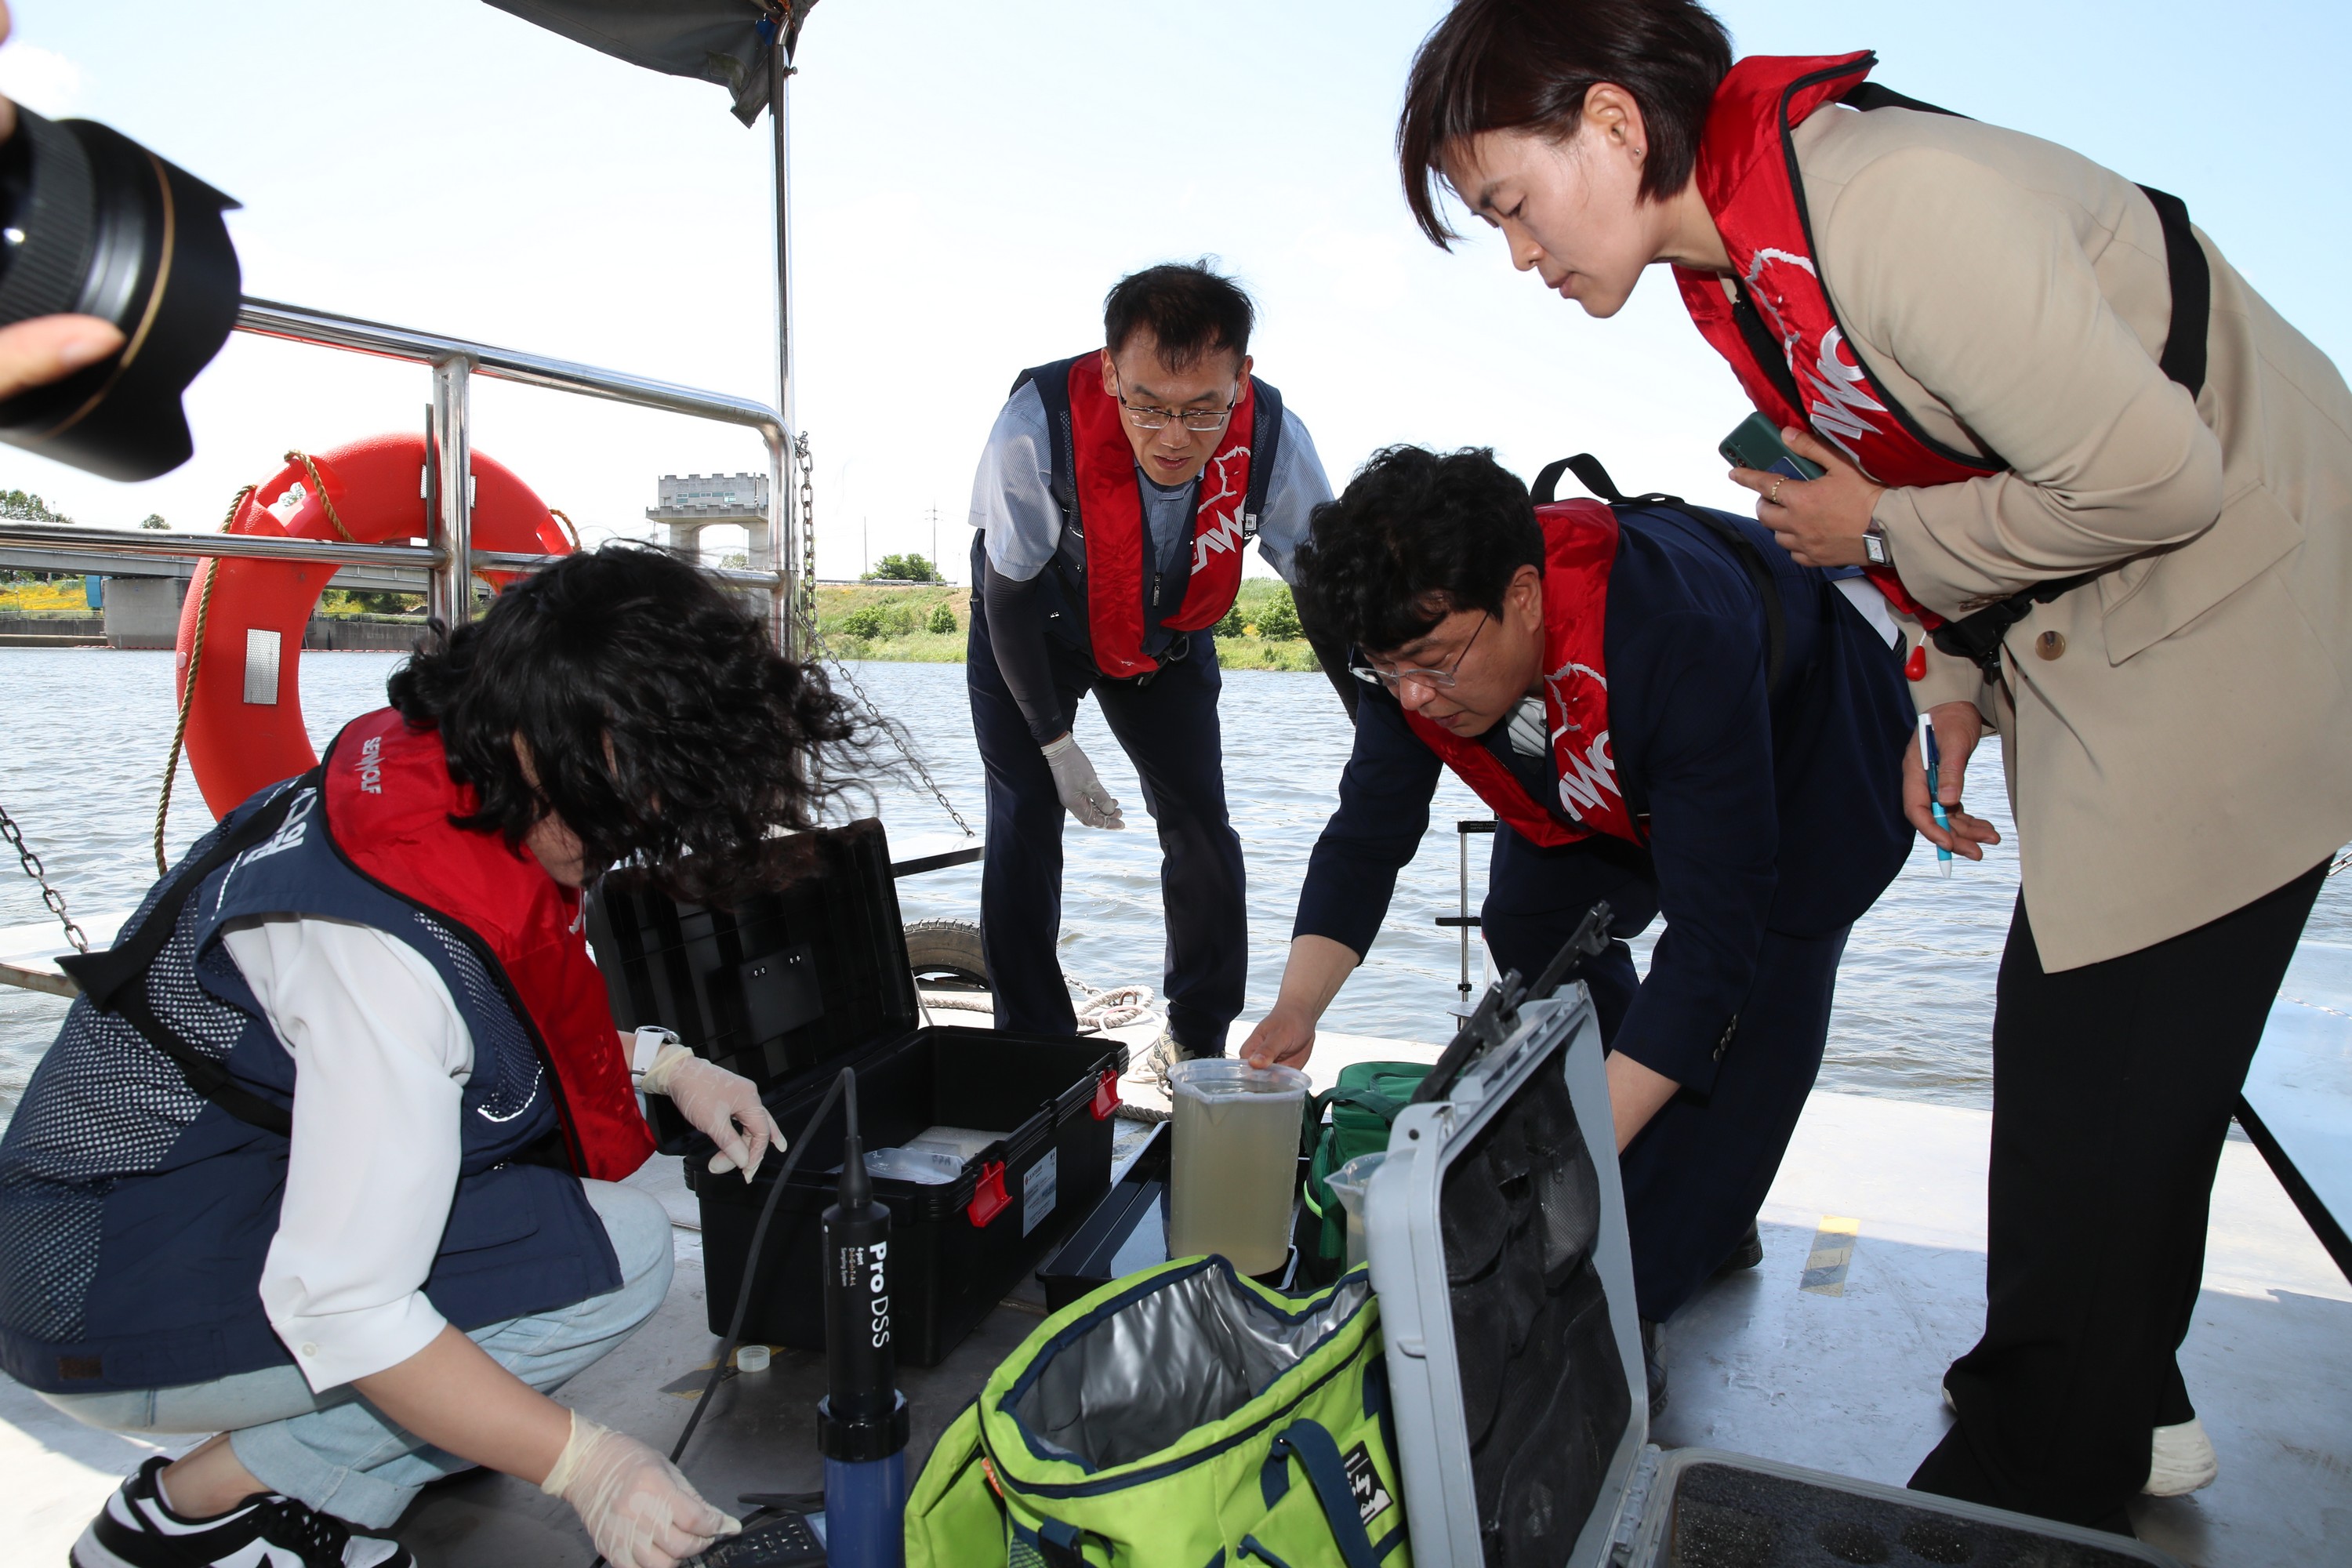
(1833, 1254)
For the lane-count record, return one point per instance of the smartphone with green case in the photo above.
(1757, 444)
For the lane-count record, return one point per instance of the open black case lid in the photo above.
(780, 989)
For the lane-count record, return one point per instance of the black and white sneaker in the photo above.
(138, 1529)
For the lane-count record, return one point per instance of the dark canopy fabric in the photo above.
(716, 40)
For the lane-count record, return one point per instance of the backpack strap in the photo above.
(2191, 276)
(115, 981)
(1978, 638)
(1265, 450)
(1052, 385)
(1869, 95)
(1594, 478)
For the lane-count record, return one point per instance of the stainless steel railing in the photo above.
(447, 556)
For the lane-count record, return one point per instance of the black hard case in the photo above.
(812, 976)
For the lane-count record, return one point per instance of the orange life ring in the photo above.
(244, 720)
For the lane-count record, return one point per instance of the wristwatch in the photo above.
(647, 1044)
(1875, 547)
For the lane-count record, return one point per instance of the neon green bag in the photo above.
(1182, 1417)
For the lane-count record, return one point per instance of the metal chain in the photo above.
(817, 644)
(808, 529)
(39, 873)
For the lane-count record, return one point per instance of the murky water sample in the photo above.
(1235, 1162)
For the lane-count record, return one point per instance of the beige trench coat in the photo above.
(2178, 734)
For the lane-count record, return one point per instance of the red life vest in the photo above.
(1579, 545)
(1118, 546)
(388, 800)
(1746, 175)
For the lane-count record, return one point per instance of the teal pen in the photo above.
(1931, 759)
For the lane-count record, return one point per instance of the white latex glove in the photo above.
(724, 1106)
(1081, 789)
(639, 1510)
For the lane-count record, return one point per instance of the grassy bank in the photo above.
(58, 597)
(897, 624)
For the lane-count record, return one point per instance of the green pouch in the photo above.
(1364, 1106)
(1182, 1417)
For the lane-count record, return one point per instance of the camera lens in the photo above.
(93, 223)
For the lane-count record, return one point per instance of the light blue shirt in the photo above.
(1012, 499)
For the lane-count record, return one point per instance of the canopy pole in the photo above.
(783, 559)
(449, 581)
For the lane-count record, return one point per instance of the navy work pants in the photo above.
(1697, 1176)
(2112, 1086)
(1168, 727)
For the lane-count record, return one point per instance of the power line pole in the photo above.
(935, 544)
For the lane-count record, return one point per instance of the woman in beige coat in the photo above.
(2107, 490)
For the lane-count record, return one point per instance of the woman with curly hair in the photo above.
(2106, 488)
(325, 1159)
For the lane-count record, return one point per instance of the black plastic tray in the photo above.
(1127, 1232)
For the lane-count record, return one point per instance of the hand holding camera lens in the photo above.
(49, 348)
(38, 352)
(118, 283)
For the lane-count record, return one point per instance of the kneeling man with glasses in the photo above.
(1667, 712)
(1114, 502)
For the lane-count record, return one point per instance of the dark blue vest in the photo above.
(1063, 582)
(135, 1212)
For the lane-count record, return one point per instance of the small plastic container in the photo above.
(1235, 1166)
(751, 1358)
(1349, 1184)
(926, 1167)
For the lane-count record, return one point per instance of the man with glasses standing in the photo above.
(1114, 502)
(1667, 713)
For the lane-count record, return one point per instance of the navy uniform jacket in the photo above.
(1778, 810)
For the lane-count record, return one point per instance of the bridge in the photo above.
(103, 564)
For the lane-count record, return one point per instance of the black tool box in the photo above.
(812, 976)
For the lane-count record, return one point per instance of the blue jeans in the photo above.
(338, 1454)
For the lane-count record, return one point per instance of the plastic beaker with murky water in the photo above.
(1235, 1162)
(1349, 1184)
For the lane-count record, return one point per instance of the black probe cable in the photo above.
(846, 1077)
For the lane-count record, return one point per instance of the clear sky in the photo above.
(969, 180)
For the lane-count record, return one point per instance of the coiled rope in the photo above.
(1098, 1010)
(1116, 1008)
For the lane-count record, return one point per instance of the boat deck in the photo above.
(1829, 1354)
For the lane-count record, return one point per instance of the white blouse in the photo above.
(381, 1060)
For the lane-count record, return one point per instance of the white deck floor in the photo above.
(1846, 1382)
(1850, 1383)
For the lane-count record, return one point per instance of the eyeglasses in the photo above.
(1200, 421)
(1441, 679)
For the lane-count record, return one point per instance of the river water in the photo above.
(82, 755)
